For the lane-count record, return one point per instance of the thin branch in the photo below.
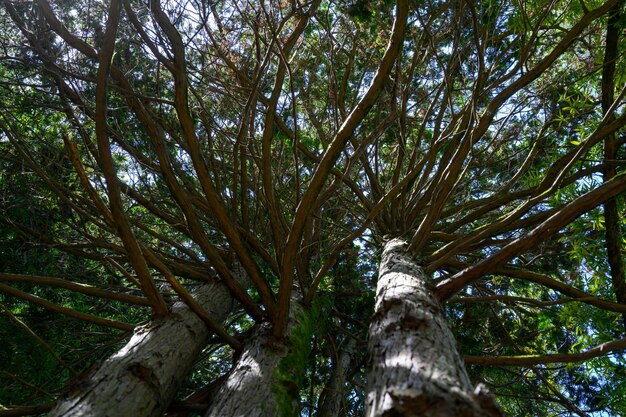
(614, 346)
(75, 286)
(66, 311)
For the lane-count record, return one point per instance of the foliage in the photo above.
(290, 373)
(290, 140)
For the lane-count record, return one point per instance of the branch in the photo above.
(66, 311)
(561, 287)
(611, 208)
(450, 286)
(74, 286)
(327, 162)
(531, 360)
(30, 410)
(108, 167)
(187, 125)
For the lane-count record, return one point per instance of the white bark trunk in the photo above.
(415, 368)
(142, 378)
(248, 390)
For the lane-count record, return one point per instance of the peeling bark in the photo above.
(414, 367)
(142, 378)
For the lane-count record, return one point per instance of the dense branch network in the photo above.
(188, 141)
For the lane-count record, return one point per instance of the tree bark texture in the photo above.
(333, 395)
(248, 391)
(142, 378)
(414, 367)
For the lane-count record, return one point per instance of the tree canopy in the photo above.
(272, 149)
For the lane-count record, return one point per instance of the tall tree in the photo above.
(274, 152)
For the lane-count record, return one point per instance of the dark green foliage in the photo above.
(263, 114)
(291, 371)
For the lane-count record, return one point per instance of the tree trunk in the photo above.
(333, 394)
(142, 378)
(414, 367)
(248, 391)
(252, 388)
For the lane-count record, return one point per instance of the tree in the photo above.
(253, 162)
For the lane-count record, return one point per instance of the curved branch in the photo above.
(450, 286)
(327, 162)
(108, 167)
(531, 360)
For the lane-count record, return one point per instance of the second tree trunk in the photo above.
(414, 366)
